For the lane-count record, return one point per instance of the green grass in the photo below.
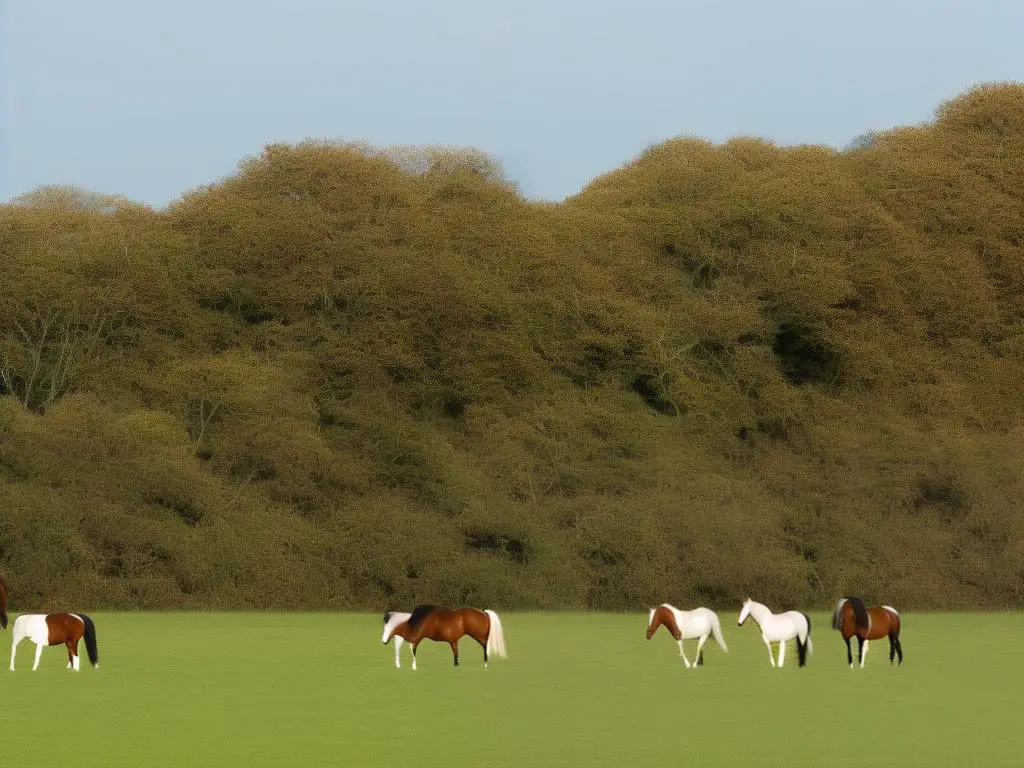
(578, 689)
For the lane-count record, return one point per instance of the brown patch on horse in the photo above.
(881, 624)
(66, 629)
(663, 615)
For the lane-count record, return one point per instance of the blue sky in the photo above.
(149, 98)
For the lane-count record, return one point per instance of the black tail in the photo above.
(90, 640)
(3, 619)
(801, 648)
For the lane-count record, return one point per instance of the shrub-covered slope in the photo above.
(353, 378)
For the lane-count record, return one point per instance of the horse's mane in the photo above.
(860, 613)
(418, 614)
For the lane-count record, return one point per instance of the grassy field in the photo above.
(578, 689)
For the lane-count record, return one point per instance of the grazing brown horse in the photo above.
(852, 618)
(56, 629)
(447, 625)
(3, 604)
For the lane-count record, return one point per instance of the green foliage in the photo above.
(349, 377)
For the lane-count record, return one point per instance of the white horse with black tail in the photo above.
(780, 628)
(700, 623)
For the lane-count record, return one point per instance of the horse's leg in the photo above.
(899, 649)
(892, 647)
(71, 655)
(771, 655)
(863, 653)
(849, 652)
(682, 653)
(700, 652)
(74, 656)
(415, 646)
(782, 653)
(860, 648)
(39, 652)
(455, 650)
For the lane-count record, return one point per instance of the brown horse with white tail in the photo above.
(56, 629)
(447, 625)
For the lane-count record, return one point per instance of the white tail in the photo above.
(496, 637)
(716, 630)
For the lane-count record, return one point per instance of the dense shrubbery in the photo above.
(348, 378)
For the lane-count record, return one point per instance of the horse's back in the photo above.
(884, 621)
(439, 623)
(475, 622)
(799, 619)
(697, 622)
(34, 627)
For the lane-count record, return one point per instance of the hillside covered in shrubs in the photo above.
(349, 378)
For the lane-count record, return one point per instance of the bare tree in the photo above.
(46, 351)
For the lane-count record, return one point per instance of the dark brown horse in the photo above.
(447, 625)
(852, 618)
(3, 604)
(56, 629)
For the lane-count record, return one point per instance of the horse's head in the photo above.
(747, 604)
(391, 621)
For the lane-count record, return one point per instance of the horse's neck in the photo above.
(680, 616)
(760, 613)
(397, 620)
